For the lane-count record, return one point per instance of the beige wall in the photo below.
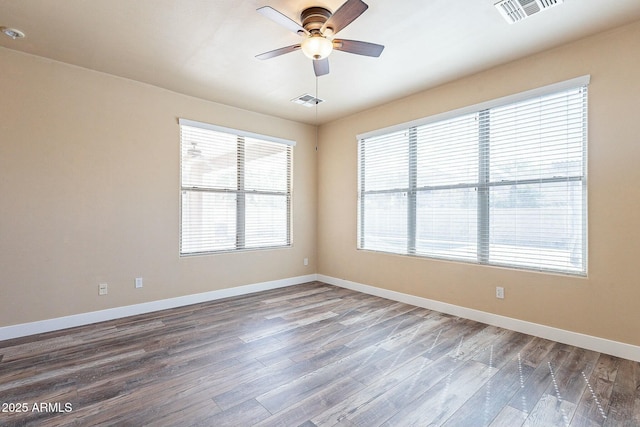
(89, 189)
(606, 303)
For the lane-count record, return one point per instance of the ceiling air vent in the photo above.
(307, 100)
(517, 10)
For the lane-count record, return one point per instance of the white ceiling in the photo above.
(207, 48)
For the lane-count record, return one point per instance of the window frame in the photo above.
(240, 190)
(483, 185)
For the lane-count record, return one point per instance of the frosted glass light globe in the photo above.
(316, 47)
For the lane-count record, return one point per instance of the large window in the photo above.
(236, 190)
(502, 183)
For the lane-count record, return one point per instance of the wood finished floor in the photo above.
(310, 355)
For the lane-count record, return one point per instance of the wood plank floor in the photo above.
(309, 355)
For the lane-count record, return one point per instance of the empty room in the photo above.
(320, 213)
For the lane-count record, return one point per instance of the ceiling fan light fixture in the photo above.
(316, 47)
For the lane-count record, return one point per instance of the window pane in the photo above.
(386, 162)
(209, 159)
(446, 223)
(385, 222)
(538, 138)
(538, 226)
(208, 221)
(266, 221)
(266, 166)
(447, 152)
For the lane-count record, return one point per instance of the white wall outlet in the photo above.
(499, 292)
(103, 289)
(305, 261)
(138, 282)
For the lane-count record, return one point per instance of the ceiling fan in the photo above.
(318, 26)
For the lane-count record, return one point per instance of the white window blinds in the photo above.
(502, 183)
(236, 190)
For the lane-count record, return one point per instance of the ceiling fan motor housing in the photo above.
(313, 18)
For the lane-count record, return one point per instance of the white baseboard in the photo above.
(602, 345)
(25, 329)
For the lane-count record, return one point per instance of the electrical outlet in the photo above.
(138, 282)
(103, 289)
(306, 261)
(499, 292)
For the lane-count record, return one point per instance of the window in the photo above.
(236, 189)
(502, 183)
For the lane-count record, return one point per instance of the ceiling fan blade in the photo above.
(321, 66)
(278, 52)
(345, 15)
(281, 19)
(358, 47)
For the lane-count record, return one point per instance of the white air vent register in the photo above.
(307, 100)
(517, 10)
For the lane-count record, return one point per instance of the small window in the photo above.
(236, 190)
(503, 183)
